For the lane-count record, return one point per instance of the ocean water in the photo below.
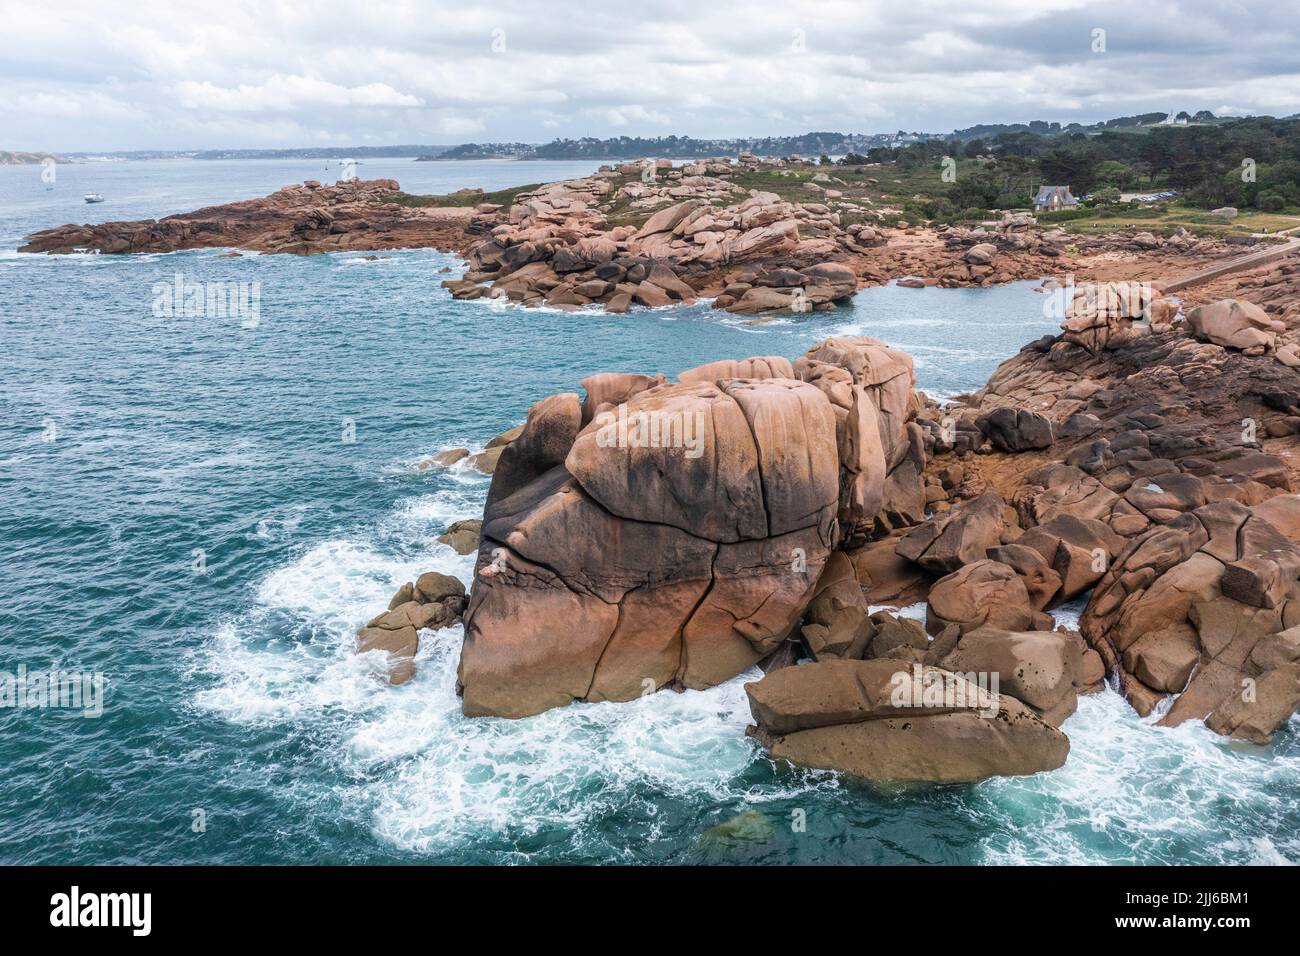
(204, 513)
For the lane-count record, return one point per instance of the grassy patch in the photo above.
(503, 197)
(1168, 217)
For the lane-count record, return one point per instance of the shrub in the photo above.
(1269, 202)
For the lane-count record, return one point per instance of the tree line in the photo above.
(1249, 163)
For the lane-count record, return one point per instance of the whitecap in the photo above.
(1134, 792)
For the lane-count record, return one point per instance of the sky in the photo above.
(179, 74)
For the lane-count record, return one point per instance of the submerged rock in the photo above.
(748, 827)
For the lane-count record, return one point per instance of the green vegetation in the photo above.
(1166, 218)
(1250, 163)
(689, 147)
(463, 197)
(959, 181)
(17, 157)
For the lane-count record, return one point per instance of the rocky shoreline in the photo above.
(305, 219)
(1143, 461)
(652, 534)
(1113, 470)
(648, 234)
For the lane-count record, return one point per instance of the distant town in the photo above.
(632, 147)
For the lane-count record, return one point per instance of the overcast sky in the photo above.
(177, 74)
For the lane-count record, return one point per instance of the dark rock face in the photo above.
(1042, 669)
(802, 494)
(1015, 429)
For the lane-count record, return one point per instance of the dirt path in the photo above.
(1239, 264)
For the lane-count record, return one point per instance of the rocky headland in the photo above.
(1142, 462)
(647, 533)
(301, 220)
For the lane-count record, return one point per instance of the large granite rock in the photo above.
(677, 543)
(870, 386)
(963, 535)
(1235, 324)
(889, 721)
(1042, 669)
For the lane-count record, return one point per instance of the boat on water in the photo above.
(94, 197)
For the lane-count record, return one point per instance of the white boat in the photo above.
(94, 197)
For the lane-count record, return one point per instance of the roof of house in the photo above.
(1061, 193)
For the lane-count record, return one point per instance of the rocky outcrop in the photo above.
(300, 219)
(1042, 669)
(870, 387)
(815, 288)
(1237, 325)
(1102, 315)
(1200, 608)
(1016, 429)
(983, 593)
(677, 543)
(659, 535)
(1160, 498)
(432, 602)
(886, 721)
(949, 541)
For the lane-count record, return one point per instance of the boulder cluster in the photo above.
(553, 246)
(1147, 457)
(650, 534)
(978, 249)
(432, 602)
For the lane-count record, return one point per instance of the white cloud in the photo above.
(635, 114)
(287, 93)
(252, 72)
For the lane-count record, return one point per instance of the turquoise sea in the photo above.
(181, 512)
